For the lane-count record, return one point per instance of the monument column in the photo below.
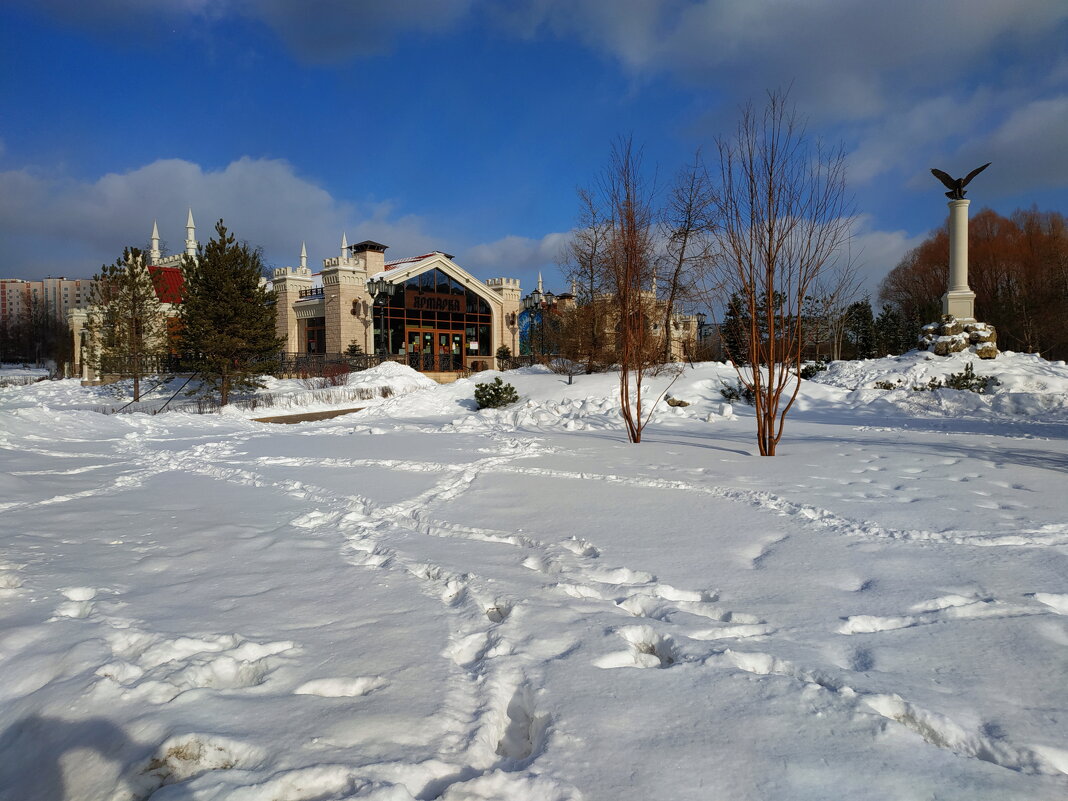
(959, 300)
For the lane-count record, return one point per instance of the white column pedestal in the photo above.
(960, 303)
(959, 300)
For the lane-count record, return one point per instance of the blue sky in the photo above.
(466, 126)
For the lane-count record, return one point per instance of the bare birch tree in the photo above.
(684, 228)
(781, 216)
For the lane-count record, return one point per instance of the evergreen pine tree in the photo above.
(908, 332)
(860, 329)
(735, 330)
(228, 316)
(896, 332)
(126, 324)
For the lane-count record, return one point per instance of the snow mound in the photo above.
(399, 376)
(1026, 385)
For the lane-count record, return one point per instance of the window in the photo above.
(316, 335)
(434, 301)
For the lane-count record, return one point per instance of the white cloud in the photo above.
(851, 57)
(519, 257)
(876, 252)
(873, 251)
(919, 131)
(262, 201)
(1027, 148)
(907, 82)
(843, 57)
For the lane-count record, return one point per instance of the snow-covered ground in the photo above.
(425, 601)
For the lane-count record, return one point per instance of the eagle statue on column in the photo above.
(956, 185)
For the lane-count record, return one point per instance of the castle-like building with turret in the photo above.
(426, 310)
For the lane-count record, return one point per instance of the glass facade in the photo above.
(433, 321)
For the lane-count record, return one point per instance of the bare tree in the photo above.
(831, 299)
(584, 266)
(780, 218)
(629, 262)
(684, 227)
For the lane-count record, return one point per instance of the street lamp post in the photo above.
(380, 291)
(540, 302)
(702, 319)
(702, 328)
(532, 303)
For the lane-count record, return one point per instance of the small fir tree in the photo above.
(495, 395)
(228, 316)
(126, 324)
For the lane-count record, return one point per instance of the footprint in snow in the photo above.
(647, 649)
(342, 687)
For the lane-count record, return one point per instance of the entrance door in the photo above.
(430, 351)
(421, 350)
(450, 350)
(457, 350)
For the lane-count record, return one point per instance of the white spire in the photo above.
(539, 281)
(344, 245)
(153, 249)
(303, 256)
(190, 235)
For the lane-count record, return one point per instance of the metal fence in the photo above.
(169, 364)
(515, 362)
(282, 364)
(312, 364)
(316, 364)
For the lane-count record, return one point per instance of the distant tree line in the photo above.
(37, 335)
(852, 331)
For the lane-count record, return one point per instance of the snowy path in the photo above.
(216, 609)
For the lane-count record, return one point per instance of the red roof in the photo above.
(389, 265)
(169, 283)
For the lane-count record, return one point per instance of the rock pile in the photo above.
(950, 335)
